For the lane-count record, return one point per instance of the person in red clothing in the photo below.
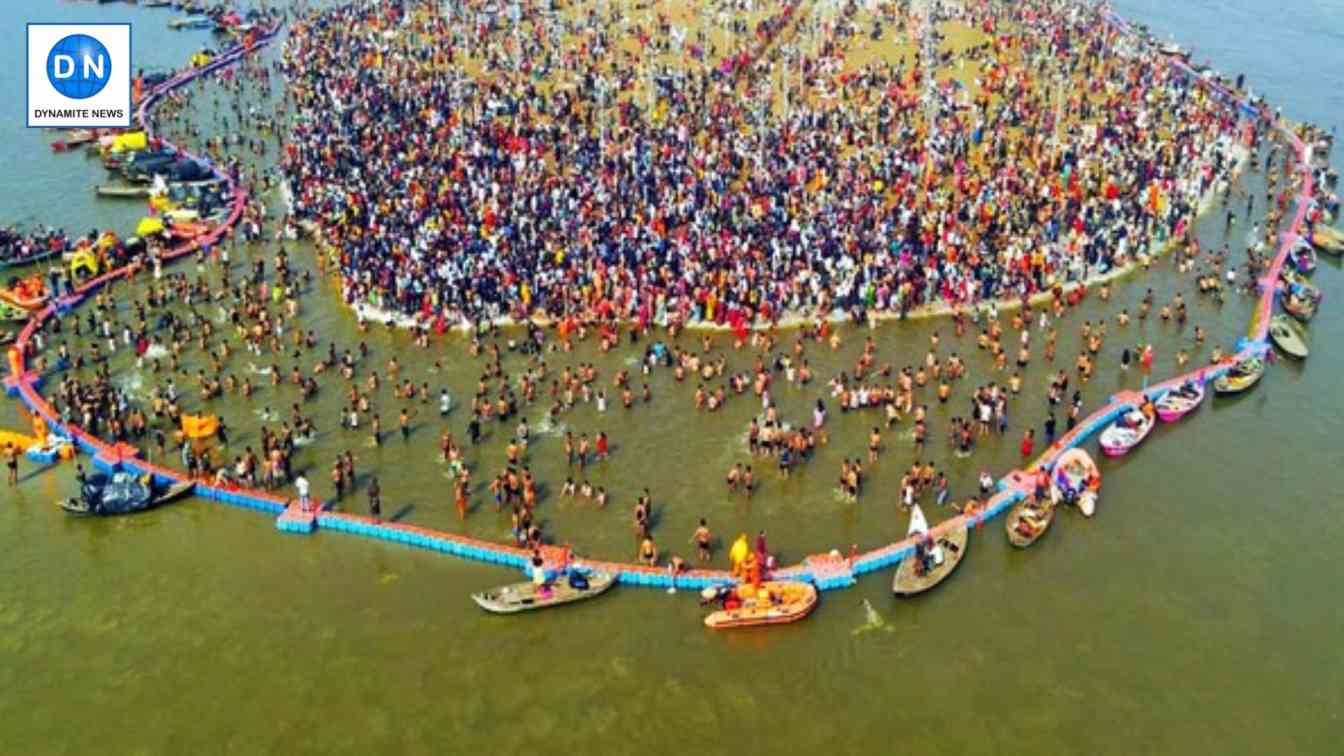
(601, 445)
(1028, 442)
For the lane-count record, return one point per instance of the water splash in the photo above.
(547, 426)
(872, 621)
(132, 383)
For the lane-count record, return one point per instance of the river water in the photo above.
(1196, 611)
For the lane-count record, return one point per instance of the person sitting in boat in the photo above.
(923, 554)
(1066, 492)
(1188, 389)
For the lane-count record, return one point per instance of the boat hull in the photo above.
(1173, 406)
(1116, 443)
(1236, 383)
(907, 582)
(1042, 523)
(1289, 337)
(799, 599)
(1075, 468)
(524, 597)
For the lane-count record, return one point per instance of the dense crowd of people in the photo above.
(460, 202)
(517, 191)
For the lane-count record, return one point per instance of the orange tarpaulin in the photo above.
(199, 426)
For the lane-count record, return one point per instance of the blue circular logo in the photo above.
(79, 66)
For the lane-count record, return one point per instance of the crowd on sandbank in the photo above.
(459, 197)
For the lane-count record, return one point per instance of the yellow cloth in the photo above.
(132, 142)
(148, 227)
(199, 426)
(739, 550)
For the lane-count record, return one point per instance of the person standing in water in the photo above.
(703, 540)
(13, 464)
(375, 499)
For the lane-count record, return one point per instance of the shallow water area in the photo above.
(1194, 612)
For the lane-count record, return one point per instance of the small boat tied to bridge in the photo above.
(1076, 480)
(772, 602)
(1028, 521)
(122, 493)
(1129, 430)
(1289, 336)
(1300, 302)
(933, 559)
(1241, 376)
(541, 593)
(1328, 239)
(1180, 401)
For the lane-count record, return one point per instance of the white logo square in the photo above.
(79, 75)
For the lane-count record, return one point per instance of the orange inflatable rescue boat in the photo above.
(29, 293)
(774, 602)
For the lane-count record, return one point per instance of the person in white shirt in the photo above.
(301, 485)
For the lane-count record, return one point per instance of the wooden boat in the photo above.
(944, 554)
(1076, 480)
(36, 257)
(774, 602)
(1300, 307)
(1242, 376)
(76, 138)
(1289, 336)
(139, 191)
(118, 493)
(1127, 432)
(191, 22)
(1173, 50)
(1297, 284)
(1328, 239)
(138, 495)
(1303, 257)
(172, 493)
(1179, 402)
(524, 597)
(1028, 521)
